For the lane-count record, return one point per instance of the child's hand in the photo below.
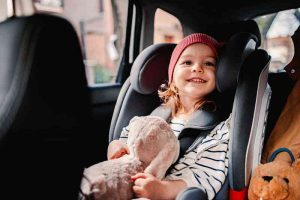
(116, 149)
(146, 185)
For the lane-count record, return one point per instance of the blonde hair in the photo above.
(168, 93)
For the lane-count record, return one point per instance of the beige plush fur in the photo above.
(277, 180)
(153, 148)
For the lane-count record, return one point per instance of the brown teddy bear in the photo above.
(152, 149)
(276, 180)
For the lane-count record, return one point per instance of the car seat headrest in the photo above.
(223, 32)
(231, 59)
(150, 69)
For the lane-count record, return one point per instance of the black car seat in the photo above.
(43, 108)
(250, 107)
(138, 95)
(249, 114)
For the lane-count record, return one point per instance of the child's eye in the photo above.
(210, 64)
(187, 62)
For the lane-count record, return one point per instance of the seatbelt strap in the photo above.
(190, 142)
(196, 130)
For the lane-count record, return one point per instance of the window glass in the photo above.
(167, 28)
(100, 25)
(276, 31)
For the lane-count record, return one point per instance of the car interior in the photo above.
(54, 123)
(43, 116)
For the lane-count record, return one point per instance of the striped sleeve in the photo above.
(206, 166)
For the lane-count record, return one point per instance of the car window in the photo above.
(100, 25)
(276, 30)
(167, 28)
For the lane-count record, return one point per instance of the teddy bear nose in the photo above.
(267, 178)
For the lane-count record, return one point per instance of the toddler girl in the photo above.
(186, 100)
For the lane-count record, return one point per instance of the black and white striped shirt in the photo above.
(205, 166)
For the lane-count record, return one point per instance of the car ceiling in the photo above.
(211, 11)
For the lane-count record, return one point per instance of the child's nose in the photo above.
(198, 68)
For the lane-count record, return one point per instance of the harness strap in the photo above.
(198, 127)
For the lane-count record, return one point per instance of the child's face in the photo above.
(194, 73)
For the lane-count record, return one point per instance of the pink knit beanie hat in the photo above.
(187, 41)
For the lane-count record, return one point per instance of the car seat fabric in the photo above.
(248, 143)
(234, 53)
(194, 193)
(43, 108)
(224, 31)
(250, 107)
(191, 193)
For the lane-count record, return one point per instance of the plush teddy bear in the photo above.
(276, 180)
(153, 148)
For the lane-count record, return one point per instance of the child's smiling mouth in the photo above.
(197, 80)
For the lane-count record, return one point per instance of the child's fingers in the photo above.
(139, 175)
(140, 182)
(138, 191)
